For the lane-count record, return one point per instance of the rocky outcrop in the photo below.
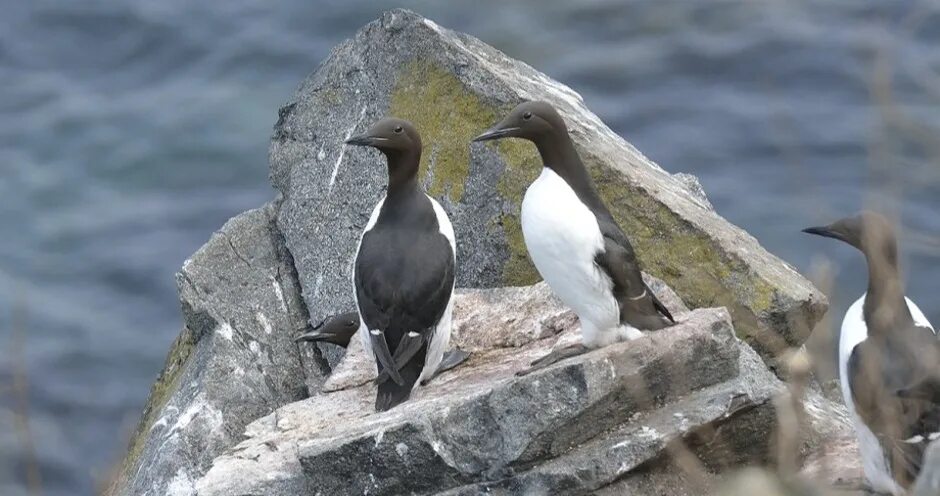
(453, 86)
(228, 397)
(234, 361)
(577, 426)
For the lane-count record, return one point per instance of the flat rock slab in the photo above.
(487, 319)
(479, 422)
(453, 86)
(644, 437)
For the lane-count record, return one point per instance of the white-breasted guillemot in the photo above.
(889, 361)
(404, 270)
(574, 241)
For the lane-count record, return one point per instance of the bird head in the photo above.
(390, 136)
(529, 120)
(868, 231)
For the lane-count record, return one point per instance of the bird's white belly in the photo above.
(854, 331)
(440, 340)
(363, 331)
(562, 237)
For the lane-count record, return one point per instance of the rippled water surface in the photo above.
(130, 130)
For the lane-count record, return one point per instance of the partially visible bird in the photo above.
(338, 330)
(889, 361)
(574, 241)
(404, 271)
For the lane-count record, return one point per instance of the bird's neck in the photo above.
(885, 304)
(402, 173)
(558, 154)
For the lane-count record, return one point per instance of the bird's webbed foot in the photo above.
(554, 357)
(451, 359)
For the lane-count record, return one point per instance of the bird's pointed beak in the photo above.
(825, 231)
(314, 335)
(362, 140)
(495, 132)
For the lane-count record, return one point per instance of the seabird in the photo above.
(574, 241)
(404, 271)
(339, 330)
(889, 361)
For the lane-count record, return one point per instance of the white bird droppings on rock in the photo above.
(401, 449)
(181, 485)
(265, 323)
(225, 331)
(279, 293)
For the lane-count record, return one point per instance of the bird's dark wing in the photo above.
(404, 281)
(659, 306)
(894, 380)
(409, 346)
(639, 307)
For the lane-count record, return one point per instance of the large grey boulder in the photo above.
(270, 271)
(578, 426)
(233, 362)
(453, 86)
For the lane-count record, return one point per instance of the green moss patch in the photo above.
(684, 257)
(522, 167)
(448, 117)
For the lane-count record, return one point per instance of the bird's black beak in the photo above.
(825, 231)
(496, 132)
(363, 140)
(314, 334)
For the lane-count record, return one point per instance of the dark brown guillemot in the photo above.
(574, 241)
(404, 271)
(338, 330)
(889, 361)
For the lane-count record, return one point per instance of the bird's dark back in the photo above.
(889, 374)
(404, 269)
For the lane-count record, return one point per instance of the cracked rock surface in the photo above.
(233, 362)
(572, 428)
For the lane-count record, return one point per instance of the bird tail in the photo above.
(658, 305)
(391, 394)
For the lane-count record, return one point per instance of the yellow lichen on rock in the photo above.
(448, 116)
(522, 167)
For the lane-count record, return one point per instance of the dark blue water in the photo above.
(130, 130)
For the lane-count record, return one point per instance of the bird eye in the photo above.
(350, 323)
(527, 115)
(398, 130)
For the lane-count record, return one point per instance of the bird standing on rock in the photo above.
(574, 241)
(889, 361)
(404, 271)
